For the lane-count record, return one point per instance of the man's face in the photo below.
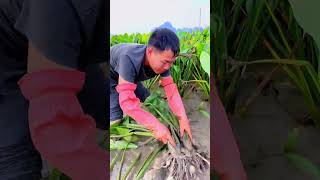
(160, 61)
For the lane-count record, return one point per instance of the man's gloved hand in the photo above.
(130, 105)
(60, 130)
(162, 133)
(176, 104)
(185, 126)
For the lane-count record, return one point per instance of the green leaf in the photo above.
(121, 162)
(184, 50)
(292, 141)
(205, 62)
(307, 13)
(148, 162)
(304, 164)
(134, 162)
(119, 145)
(143, 133)
(114, 160)
(200, 48)
(145, 38)
(201, 106)
(249, 6)
(113, 130)
(132, 138)
(55, 174)
(176, 69)
(204, 113)
(122, 131)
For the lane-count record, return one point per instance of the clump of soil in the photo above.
(186, 162)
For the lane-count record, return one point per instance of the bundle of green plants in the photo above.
(186, 160)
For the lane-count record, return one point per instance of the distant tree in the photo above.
(168, 25)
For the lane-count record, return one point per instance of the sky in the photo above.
(130, 16)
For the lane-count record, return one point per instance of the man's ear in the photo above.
(149, 50)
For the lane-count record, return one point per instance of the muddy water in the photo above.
(200, 127)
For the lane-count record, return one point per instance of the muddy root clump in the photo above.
(187, 162)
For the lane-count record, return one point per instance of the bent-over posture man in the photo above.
(130, 64)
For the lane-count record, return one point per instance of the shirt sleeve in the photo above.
(53, 27)
(126, 69)
(165, 74)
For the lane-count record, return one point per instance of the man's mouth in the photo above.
(161, 71)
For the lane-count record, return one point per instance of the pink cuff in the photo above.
(43, 82)
(166, 81)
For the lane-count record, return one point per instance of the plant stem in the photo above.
(113, 162)
(121, 164)
(131, 166)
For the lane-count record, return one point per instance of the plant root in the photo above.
(187, 162)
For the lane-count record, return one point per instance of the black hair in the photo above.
(163, 39)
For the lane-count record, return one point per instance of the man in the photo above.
(130, 64)
(52, 89)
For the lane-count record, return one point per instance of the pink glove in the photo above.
(62, 133)
(176, 104)
(130, 105)
(225, 154)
